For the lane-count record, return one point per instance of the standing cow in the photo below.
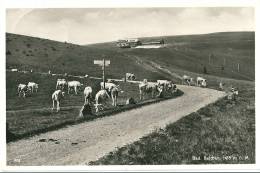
(149, 87)
(108, 86)
(201, 82)
(32, 86)
(187, 79)
(61, 84)
(87, 94)
(22, 89)
(74, 85)
(130, 76)
(56, 97)
(114, 95)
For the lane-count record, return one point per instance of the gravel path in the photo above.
(79, 144)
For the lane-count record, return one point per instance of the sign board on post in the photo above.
(103, 63)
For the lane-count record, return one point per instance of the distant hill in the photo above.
(182, 54)
(194, 52)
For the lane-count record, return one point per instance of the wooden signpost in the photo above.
(103, 63)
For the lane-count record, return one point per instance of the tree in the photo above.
(205, 70)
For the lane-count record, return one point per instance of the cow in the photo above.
(130, 76)
(74, 85)
(108, 86)
(187, 79)
(87, 94)
(100, 97)
(56, 97)
(149, 87)
(221, 86)
(61, 84)
(232, 93)
(201, 82)
(32, 86)
(114, 95)
(14, 70)
(22, 89)
(167, 85)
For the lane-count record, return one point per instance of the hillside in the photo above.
(182, 54)
(191, 53)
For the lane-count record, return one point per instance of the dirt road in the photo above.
(79, 144)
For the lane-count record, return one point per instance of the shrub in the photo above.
(8, 52)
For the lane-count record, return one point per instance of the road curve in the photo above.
(79, 144)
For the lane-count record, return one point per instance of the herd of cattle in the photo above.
(112, 90)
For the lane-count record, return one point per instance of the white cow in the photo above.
(149, 87)
(61, 84)
(74, 85)
(201, 82)
(114, 95)
(87, 94)
(108, 86)
(56, 97)
(130, 76)
(32, 86)
(187, 79)
(100, 97)
(22, 89)
(221, 86)
(167, 85)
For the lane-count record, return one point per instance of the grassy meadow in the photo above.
(220, 133)
(31, 115)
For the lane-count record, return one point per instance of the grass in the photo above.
(221, 133)
(26, 119)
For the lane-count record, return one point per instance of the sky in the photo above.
(90, 25)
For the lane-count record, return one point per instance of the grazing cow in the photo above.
(61, 84)
(87, 94)
(130, 76)
(201, 82)
(187, 79)
(100, 97)
(74, 85)
(56, 97)
(22, 89)
(149, 87)
(32, 86)
(167, 85)
(108, 86)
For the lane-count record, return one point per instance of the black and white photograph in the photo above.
(130, 86)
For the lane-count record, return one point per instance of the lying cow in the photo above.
(74, 85)
(201, 82)
(87, 94)
(22, 89)
(32, 86)
(187, 79)
(100, 98)
(56, 97)
(61, 84)
(149, 87)
(130, 76)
